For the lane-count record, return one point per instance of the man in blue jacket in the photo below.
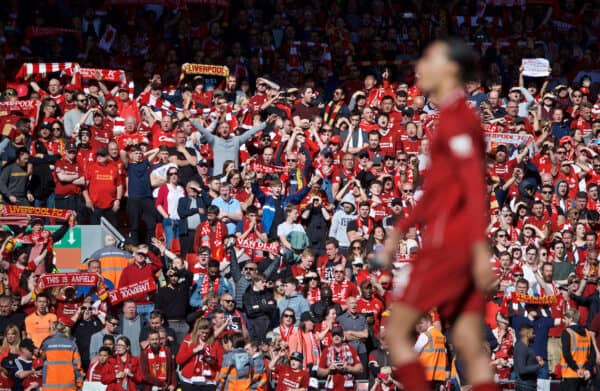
(274, 205)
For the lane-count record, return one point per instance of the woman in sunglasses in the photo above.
(312, 287)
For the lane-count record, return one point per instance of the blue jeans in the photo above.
(144, 310)
(543, 372)
(171, 228)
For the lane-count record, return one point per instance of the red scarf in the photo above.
(361, 227)
(313, 295)
(330, 115)
(206, 286)
(214, 240)
(286, 334)
(157, 363)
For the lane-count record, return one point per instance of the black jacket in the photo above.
(592, 302)
(526, 366)
(261, 310)
(184, 211)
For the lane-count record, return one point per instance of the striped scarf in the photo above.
(157, 365)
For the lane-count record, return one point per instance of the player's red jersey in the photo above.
(454, 218)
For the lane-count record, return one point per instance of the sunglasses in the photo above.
(288, 315)
(250, 269)
(546, 192)
(502, 236)
(407, 191)
(82, 100)
(356, 248)
(278, 286)
(518, 274)
(113, 324)
(172, 173)
(86, 308)
(292, 160)
(57, 128)
(111, 105)
(338, 271)
(228, 301)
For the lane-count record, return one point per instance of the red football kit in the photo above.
(453, 210)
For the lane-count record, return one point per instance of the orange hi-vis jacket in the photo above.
(237, 373)
(581, 346)
(62, 364)
(434, 357)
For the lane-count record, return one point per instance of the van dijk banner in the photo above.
(257, 245)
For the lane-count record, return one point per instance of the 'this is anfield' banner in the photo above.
(257, 245)
(132, 291)
(52, 280)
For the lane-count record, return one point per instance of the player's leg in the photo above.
(400, 328)
(468, 339)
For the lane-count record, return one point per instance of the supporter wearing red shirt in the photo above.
(105, 190)
(200, 355)
(369, 304)
(201, 98)
(131, 136)
(162, 133)
(140, 270)
(389, 140)
(410, 140)
(341, 287)
(69, 180)
(212, 233)
(328, 261)
(290, 377)
(260, 97)
(569, 175)
(307, 260)
(101, 130)
(339, 363)
(127, 107)
(85, 155)
(537, 217)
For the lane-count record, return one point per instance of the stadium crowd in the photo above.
(256, 156)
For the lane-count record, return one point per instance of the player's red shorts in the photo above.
(442, 279)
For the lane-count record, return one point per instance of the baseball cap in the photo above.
(102, 152)
(71, 146)
(297, 356)
(306, 315)
(515, 89)
(363, 154)
(335, 140)
(203, 163)
(548, 95)
(337, 329)
(397, 201)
